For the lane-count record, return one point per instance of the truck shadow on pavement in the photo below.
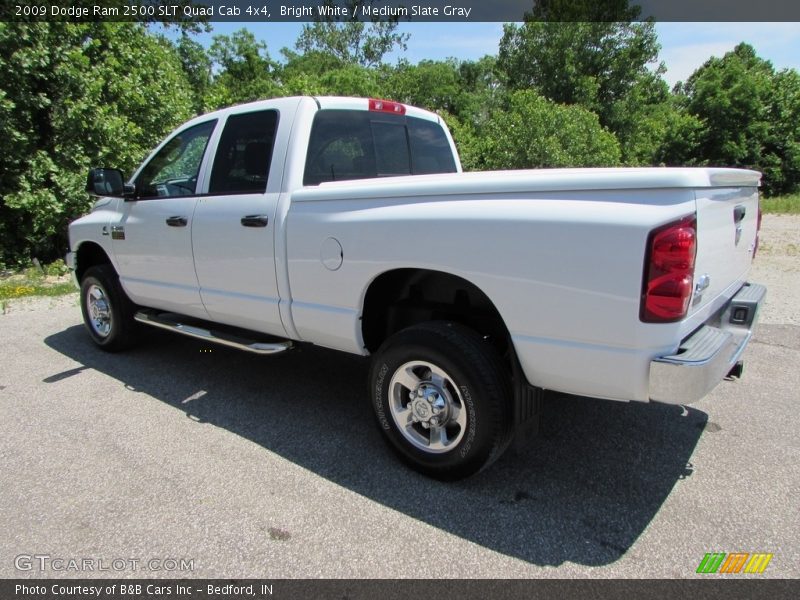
(583, 491)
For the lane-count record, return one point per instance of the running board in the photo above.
(163, 321)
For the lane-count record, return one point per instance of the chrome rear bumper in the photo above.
(708, 355)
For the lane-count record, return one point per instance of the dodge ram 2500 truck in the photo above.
(348, 223)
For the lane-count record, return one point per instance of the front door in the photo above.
(152, 240)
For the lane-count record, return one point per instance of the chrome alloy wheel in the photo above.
(99, 310)
(427, 407)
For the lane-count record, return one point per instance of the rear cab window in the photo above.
(353, 144)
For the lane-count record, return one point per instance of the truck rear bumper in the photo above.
(704, 358)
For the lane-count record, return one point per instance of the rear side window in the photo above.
(244, 154)
(349, 144)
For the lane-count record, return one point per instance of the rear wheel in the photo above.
(107, 310)
(442, 399)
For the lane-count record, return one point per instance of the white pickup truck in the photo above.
(347, 223)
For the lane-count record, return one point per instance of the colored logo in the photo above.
(736, 562)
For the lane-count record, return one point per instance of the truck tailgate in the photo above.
(727, 226)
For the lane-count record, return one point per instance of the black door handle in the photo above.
(177, 221)
(255, 221)
(738, 213)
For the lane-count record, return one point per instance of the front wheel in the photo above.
(107, 310)
(442, 399)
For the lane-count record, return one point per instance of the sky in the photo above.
(684, 46)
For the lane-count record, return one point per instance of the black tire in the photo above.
(107, 310)
(476, 390)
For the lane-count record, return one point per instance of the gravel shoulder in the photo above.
(777, 265)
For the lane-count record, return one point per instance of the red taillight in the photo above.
(669, 271)
(386, 106)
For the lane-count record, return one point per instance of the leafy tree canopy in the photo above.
(353, 42)
(76, 95)
(245, 70)
(535, 132)
(748, 117)
(594, 62)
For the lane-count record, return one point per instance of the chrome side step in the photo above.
(162, 321)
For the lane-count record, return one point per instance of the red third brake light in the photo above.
(386, 106)
(669, 271)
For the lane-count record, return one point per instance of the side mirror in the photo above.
(108, 182)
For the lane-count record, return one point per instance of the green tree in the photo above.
(730, 96)
(318, 73)
(434, 85)
(579, 52)
(535, 132)
(483, 91)
(245, 71)
(646, 120)
(75, 95)
(351, 80)
(197, 65)
(468, 144)
(468, 92)
(748, 117)
(679, 133)
(353, 42)
(784, 141)
(300, 74)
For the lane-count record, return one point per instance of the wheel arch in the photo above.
(90, 254)
(403, 297)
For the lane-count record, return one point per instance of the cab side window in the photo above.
(174, 170)
(244, 154)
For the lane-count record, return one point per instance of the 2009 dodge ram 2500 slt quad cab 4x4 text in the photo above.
(347, 223)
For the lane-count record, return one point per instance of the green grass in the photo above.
(50, 280)
(781, 205)
(20, 289)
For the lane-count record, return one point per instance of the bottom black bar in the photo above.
(390, 589)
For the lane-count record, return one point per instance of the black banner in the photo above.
(400, 10)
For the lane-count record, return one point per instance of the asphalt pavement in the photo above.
(178, 459)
